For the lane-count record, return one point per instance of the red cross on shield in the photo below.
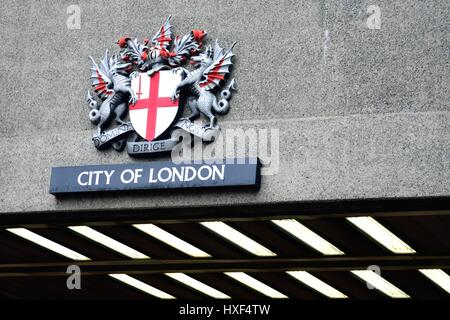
(154, 111)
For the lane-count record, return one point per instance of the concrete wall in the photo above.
(362, 113)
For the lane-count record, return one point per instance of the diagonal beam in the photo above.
(153, 266)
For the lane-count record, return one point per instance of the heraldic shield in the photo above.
(154, 112)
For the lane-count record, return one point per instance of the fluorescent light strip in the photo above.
(55, 247)
(439, 277)
(317, 284)
(141, 286)
(309, 237)
(171, 240)
(380, 234)
(108, 242)
(197, 285)
(48, 244)
(380, 283)
(256, 285)
(238, 238)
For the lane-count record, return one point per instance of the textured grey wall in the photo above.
(362, 113)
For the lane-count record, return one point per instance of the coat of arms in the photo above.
(144, 88)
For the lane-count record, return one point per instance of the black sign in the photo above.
(155, 175)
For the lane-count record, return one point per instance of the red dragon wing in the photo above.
(217, 72)
(100, 77)
(164, 36)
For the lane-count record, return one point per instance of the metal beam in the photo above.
(304, 210)
(151, 266)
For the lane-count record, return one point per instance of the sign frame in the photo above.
(155, 175)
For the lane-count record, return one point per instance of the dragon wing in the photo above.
(183, 48)
(164, 36)
(133, 51)
(101, 77)
(220, 68)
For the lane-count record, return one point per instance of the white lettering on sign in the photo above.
(81, 178)
(219, 172)
(131, 176)
(164, 175)
(108, 176)
(193, 174)
(94, 178)
(202, 175)
(186, 174)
